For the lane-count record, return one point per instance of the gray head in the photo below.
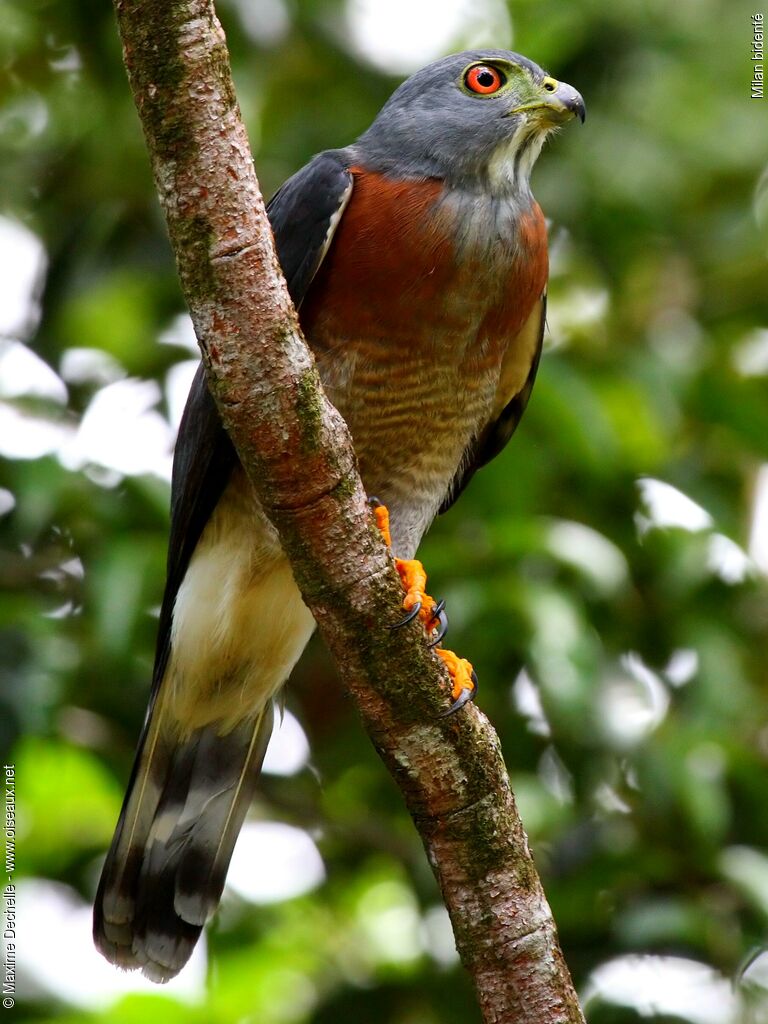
(476, 120)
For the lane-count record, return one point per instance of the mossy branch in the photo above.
(297, 453)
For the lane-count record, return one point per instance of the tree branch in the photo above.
(297, 453)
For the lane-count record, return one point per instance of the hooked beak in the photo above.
(559, 103)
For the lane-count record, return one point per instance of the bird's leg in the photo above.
(417, 603)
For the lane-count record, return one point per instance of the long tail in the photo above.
(165, 869)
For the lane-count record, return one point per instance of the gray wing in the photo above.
(304, 214)
(187, 795)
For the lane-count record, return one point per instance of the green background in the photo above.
(618, 626)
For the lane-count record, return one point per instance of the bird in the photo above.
(417, 260)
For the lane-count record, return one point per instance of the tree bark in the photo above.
(298, 455)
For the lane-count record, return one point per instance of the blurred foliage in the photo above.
(620, 644)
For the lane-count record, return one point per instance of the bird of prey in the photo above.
(417, 258)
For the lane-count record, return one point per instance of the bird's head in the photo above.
(476, 119)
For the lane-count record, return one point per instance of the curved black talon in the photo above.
(438, 615)
(437, 609)
(464, 697)
(409, 617)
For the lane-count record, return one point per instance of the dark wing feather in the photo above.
(490, 441)
(304, 214)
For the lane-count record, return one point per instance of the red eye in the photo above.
(484, 79)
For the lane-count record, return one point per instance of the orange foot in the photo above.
(418, 603)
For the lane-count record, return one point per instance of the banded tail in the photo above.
(165, 870)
